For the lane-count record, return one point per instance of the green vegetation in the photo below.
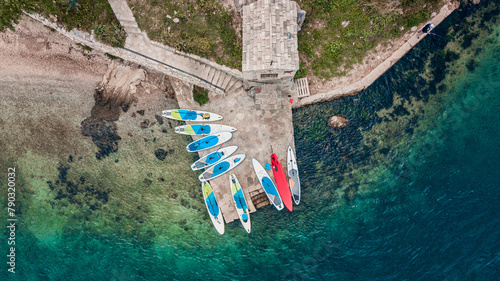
(205, 27)
(327, 47)
(335, 35)
(338, 34)
(200, 95)
(301, 73)
(11, 10)
(87, 15)
(110, 56)
(84, 47)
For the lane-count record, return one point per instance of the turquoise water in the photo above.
(407, 191)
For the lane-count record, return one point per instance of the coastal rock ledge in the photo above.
(338, 121)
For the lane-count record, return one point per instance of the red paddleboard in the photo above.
(281, 183)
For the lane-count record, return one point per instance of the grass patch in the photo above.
(328, 48)
(87, 15)
(205, 27)
(301, 73)
(11, 10)
(84, 47)
(110, 56)
(200, 95)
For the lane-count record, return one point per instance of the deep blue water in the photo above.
(409, 190)
(436, 211)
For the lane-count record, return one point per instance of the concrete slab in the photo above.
(259, 134)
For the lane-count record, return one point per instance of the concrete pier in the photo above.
(263, 118)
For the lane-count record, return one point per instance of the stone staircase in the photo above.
(259, 199)
(196, 70)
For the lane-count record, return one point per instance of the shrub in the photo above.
(200, 95)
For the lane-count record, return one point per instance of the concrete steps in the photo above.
(237, 85)
(126, 22)
(225, 83)
(211, 74)
(219, 76)
(216, 77)
(221, 79)
(259, 200)
(204, 71)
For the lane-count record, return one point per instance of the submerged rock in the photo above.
(104, 135)
(112, 97)
(338, 121)
(161, 154)
(159, 119)
(145, 123)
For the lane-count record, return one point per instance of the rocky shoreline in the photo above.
(377, 62)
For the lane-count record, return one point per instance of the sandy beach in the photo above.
(75, 166)
(36, 51)
(47, 84)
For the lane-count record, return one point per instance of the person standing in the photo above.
(428, 27)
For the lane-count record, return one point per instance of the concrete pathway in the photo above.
(218, 78)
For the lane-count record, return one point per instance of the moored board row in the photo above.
(238, 199)
(222, 160)
(216, 163)
(283, 192)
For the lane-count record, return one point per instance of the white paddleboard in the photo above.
(209, 142)
(293, 176)
(240, 202)
(213, 157)
(191, 115)
(203, 129)
(222, 167)
(212, 207)
(267, 184)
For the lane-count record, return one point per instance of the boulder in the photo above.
(338, 121)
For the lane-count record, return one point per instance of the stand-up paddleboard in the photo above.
(222, 167)
(214, 157)
(267, 184)
(190, 115)
(240, 202)
(203, 129)
(293, 176)
(212, 207)
(209, 142)
(281, 184)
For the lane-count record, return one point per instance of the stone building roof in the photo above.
(270, 36)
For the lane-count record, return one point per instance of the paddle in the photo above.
(238, 197)
(212, 157)
(212, 205)
(241, 205)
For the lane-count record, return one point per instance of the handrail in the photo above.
(173, 67)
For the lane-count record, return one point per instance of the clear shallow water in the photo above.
(408, 191)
